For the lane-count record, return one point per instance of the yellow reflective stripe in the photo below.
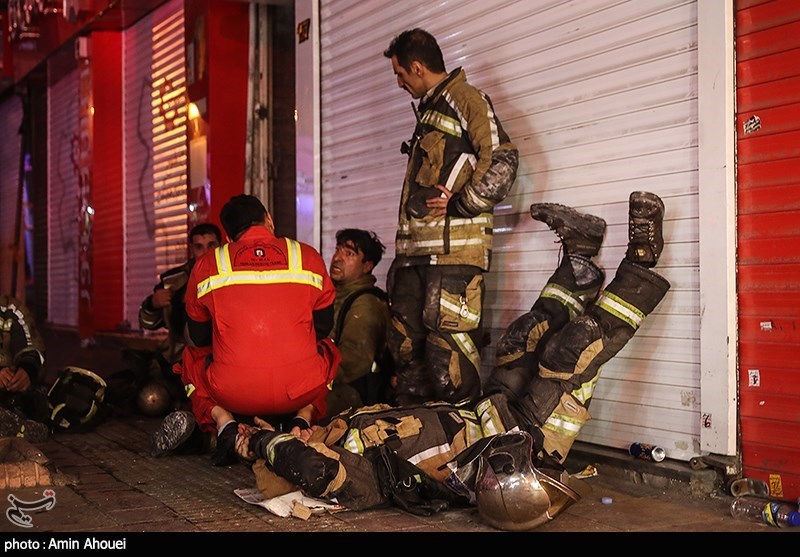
(585, 391)
(620, 308)
(492, 123)
(227, 277)
(189, 389)
(557, 292)
(440, 242)
(295, 255)
(569, 427)
(474, 432)
(273, 443)
(439, 223)
(491, 424)
(471, 316)
(469, 349)
(442, 122)
(472, 426)
(354, 443)
(223, 259)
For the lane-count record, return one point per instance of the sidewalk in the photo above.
(105, 481)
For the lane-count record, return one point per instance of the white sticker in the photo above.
(753, 378)
(766, 325)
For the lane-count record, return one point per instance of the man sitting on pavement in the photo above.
(259, 310)
(361, 321)
(164, 308)
(23, 403)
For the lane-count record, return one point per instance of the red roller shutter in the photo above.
(768, 143)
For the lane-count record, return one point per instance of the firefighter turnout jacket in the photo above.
(458, 143)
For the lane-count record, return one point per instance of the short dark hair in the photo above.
(416, 44)
(240, 213)
(205, 228)
(365, 241)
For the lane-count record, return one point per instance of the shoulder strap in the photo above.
(374, 290)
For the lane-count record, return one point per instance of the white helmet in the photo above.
(510, 492)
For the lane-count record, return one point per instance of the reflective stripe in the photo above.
(618, 307)
(428, 453)
(492, 123)
(449, 98)
(354, 443)
(585, 391)
(24, 324)
(406, 226)
(491, 424)
(471, 316)
(557, 292)
(472, 426)
(474, 432)
(565, 425)
(295, 255)
(468, 348)
(440, 242)
(274, 442)
(441, 122)
(223, 259)
(189, 389)
(295, 274)
(463, 159)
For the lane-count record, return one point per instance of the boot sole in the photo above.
(594, 226)
(174, 431)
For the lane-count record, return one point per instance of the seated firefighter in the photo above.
(425, 458)
(259, 310)
(361, 321)
(165, 308)
(24, 409)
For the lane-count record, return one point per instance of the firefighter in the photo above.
(461, 163)
(23, 403)
(259, 310)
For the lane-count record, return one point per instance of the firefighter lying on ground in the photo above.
(427, 457)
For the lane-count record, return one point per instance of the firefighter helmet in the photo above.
(510, 492)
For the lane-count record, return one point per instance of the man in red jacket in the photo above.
(259, 310)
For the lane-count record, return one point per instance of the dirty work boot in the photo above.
(580, 234)
(645, 217)
(173, 432)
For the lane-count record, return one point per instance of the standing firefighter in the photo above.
(506, 455)
(461, 163)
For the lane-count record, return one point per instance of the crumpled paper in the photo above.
(285, 505)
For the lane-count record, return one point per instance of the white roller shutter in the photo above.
(601, 99)
(62, 200)
(10, 121)
(155, 151)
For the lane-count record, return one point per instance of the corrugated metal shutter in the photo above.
(10, 121)
(768, 129)
(62, 202)
(601, 99)
(155, 151)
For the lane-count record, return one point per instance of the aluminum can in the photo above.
(646, 451)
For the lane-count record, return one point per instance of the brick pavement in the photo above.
(106, 482)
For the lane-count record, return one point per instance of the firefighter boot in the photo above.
(580, 234)
(558, 397)
(645, 220)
